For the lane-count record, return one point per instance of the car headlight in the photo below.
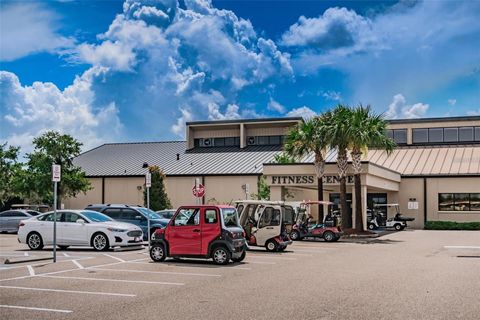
(116, 230)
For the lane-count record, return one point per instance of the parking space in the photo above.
(407, 273)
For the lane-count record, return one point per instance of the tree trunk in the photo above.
(358, 204)
(346, 216)
(320, 198)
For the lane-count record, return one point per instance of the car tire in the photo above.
(295, 235)
(157, 252)
(241, 258)
(271, 245)
(329, 236)
(63, 247)
(371, 226)
(398, 227)
(221, 255)
(100, 242)
(34, 241)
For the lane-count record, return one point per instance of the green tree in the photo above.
(307, 137)
(283, 158)
(263, 190)
(158, 195)
(52, 148)
(9, 168)
(367, 129)
(338, 134)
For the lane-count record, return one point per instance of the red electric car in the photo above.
(201, 231)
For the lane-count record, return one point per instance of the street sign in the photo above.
(56, 172)
(198, 190)
(148, 180)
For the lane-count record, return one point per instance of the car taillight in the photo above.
(21, 224)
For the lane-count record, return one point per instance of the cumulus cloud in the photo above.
(400, 109)
(304, 112)
(332, 95)
(28, 111)
(27, 27)
(452, 102)
(275, 106)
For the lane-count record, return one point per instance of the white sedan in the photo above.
(78, 228)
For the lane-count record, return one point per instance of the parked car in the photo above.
(78, 228)
(42, 208)
(167, 213)
(136, 215)
(10, 219)
(201, 232)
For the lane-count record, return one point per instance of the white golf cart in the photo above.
(263, 222)
(378, 220)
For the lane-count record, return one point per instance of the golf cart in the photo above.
(329, 230)
(398, 222)
(264, 224)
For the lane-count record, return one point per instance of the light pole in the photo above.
(148, 183)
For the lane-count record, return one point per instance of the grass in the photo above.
(451, 225)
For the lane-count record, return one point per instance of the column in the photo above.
(354, 219)
(275, 193)
(242, 136)
(364, 206)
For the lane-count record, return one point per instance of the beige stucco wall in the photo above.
(128, 190)
(453, 185)
(179, 190)
(410, 188)
(226, 189)
(91, 196)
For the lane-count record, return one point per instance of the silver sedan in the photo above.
(10, 219)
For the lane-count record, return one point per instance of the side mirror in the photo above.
(81, 221)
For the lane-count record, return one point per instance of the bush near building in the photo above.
(450, 225)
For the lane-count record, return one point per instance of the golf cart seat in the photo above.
(400, 217)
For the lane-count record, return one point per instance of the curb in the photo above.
(25, 259)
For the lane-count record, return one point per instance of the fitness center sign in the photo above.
(305, 180)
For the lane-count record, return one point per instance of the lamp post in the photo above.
(148, 183)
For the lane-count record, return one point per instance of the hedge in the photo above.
(450, 225)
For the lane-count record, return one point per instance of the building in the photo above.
(434, 174)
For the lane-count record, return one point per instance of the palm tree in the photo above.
(308, 137)
(367, 129)
(338, 134)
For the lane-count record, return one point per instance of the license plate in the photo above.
(137, 239)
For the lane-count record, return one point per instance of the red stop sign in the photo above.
(199, 190)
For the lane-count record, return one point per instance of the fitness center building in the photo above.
(434, 173)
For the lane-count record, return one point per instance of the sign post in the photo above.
(148, 184)
(198, 190)
(56, 174)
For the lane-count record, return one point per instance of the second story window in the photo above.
(398, 135)
(446, 135)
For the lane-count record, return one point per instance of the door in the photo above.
(210, 225)
(11, 219)
(136, 218)
(45, 227)
(269, 224)
(184, 234)
(70, 232)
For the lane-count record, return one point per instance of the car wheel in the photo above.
(241, 258)
(63, 247)
(221, 255)
(100, 242)
(271, 245)
(295, 235)
(157, 253)
(371, 226)
(398, 227)
(329, 236)
(34, 241)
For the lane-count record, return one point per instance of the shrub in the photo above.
(451, 225)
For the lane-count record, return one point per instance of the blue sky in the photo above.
(136, 70)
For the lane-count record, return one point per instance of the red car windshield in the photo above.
(230, 217)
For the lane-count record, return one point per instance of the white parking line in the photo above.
(113, 257)
(25, 254)
(114, 280)
(65, 254)
(261, 262)
(161, 272)
(71, 291)
(462, 247)
(271, 257)
(30, 270)
(35, 309)
(75, 262)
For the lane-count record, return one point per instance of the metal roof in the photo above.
(126, 159)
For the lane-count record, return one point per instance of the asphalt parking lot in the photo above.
(404, 275)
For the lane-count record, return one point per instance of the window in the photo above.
(113, 213)
(288, 215)
(477, 133)
(230, 217)
(465, 134)
(219, 142)
(13, 214)
(211, 216)
(262, 140)
(274, 140)
(49, 217)
(229, 142)
(129, 214)
(187, 217)
(71, 217)
(459, 202)
(450, 134)
(196, 143)
(420, 135)
(435, 135)
(398, 135)
(270, 217)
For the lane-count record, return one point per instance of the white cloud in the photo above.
(275, 106)
(304, 112)
(31, 110)
(179, 127)
(400, 109)
(231, 112)
(474, 112)
(452, 102)
(332, 95)
(28, 27)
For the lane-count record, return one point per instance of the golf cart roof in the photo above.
(260, 201)
(317, 202)
(386, 205)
